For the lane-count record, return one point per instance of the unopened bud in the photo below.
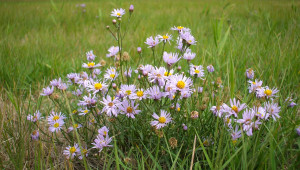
(139, 49)
(107, 27)
(131, 8)
(114, 21)
(103, 63)
(179, 68)
(114, 85)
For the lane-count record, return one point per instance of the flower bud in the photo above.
(131, 8)
(126, 56)
(179, 68)
(114, 21)
(114, 85)
(194, 114)
(103, 63)
(210, 68)
(107, 27)
(139, 49)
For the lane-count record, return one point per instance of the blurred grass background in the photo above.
(41, 40)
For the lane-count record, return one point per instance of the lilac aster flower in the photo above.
(188, 55)
(146, 69)
(210, 68)
(90, 56)
(235, 107)
(62, 86)
(90, 65)
(71, 151)
(78, 92)
(55, 82)
(266, 92)
(162, 120)
(55, 117)
(170, 58)
(111, 74)
(129, 108)
(47, 91)
(249, 73)
(298, 130)
(96, 86)
(248, 122)
(254, 85)
(88, 101)
(154, 93)
(112, 51)
(197, 70)
(184, 127)
(83, 112)
(180, 29)
(272, 109)
(128, 90)
(159, 75)
(110, 106)
(103, 131)
(127, 73)
(180, 82)
(76, 126)
(35, 117)
(84, 153)
(235, 134)
(165, 38)
(101, 142)
(152, 42)
(55, 126)
(187, 37)
(118, 13)
(35, 135)
(139, 94)
(73, 78)
(291, 102)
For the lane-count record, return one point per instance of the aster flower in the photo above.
(139, 94)
(180, 29)
(165, 38)
(159, 75)
(248, 122)
(73, 78)
(266, 92)
(235, 134)
(83, 112)
(35, 117)
(129, 108)
(154, 93)
(152, 42)
(56, 117)
(118, 13)
(55, 82)
(235, 107)
(47, 91)
(76, 126)
(88, 101)
(272, 109)
(90, 56)
(291, 102)
(170, 58)
(188, 55)
(128, 90)
(127, 73)
(100, 142)
(217, 110)
(197, 70)
(71, 151)
(90, 65)
(103, 131)
(186, 93)
(254, 85)
(96, 86)
(188, 38)
(111, 74)
(35, 135)
(55, 126)
(146, 69)
(112, 51)
(298, 130)
(84, 153)
(249, 73)
(184, 127)
(78, 92)
(62, 86)
(180, 82)
(260, 112)
(162, 120)
(210, 68)
(110, 106)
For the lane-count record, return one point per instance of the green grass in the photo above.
(42, 40)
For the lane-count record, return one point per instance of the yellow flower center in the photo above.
(205, 142)
(55, 117)
(158, 75)
(254, 82)
(234, 108)
(140, 93)
(227, 121)
(129, 109)
(104, 133)
(170, 57)
(56, 125)
(34, 132)
(128, 92)
(180, 27)
(92, 64)
(166, 74)
(112, 76)
(118, 13)
(74, 111)
(76, 126)
(178, 109)
(98, 86)
(110, 104)
(197, 71)
(234, 141)
(85, 111)
(165, 37)
(162, 119)
(72, 149)
(84, 151)
(180, 84)
(268, 92)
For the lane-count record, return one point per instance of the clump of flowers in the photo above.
(169, 95)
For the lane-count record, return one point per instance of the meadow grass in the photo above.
(43, 40)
